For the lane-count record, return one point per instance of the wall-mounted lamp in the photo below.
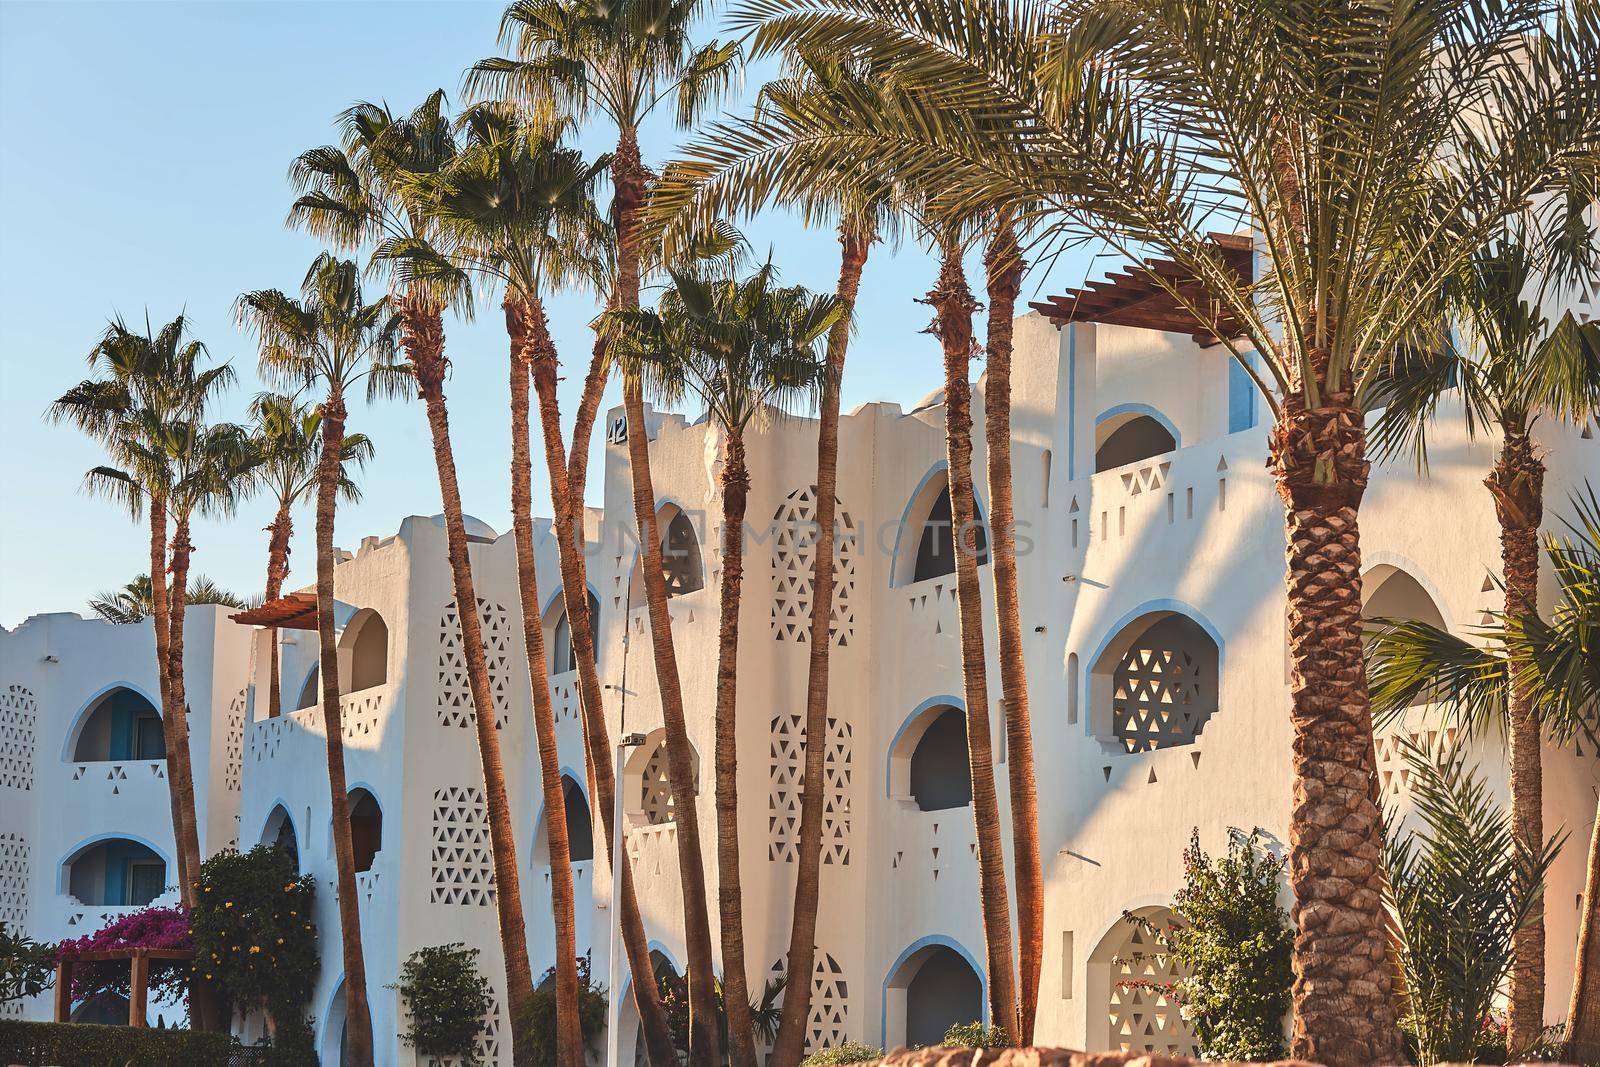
(51, 659)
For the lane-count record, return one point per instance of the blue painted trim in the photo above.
(917, 946)
(577, 780)
(351, 787)
(916, 713)
(650, 946)
(1088, 668)
(1133, 408)
(551, 599)
(937, 470)
(302, 686)
(81, 718)
(63, 885)
(327, 1014)
(279, 802)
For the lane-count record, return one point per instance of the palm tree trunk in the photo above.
(179, 765)
(855, 241)
(1004, 266)
(529, 336)
(1583, 1016)
(281, 530)
(568, 509)
(161, 620)
(730, 894)
(953, 307)
(680, 769)
(358, 1018)
(1517, 484)
(1344, 1014)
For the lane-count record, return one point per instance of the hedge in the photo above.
(87, 1045)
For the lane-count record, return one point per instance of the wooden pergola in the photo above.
(295, 611)
(138, 988)
(1148, 296)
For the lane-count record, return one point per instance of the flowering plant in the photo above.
(153, 927)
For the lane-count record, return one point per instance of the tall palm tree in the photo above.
(516, 209)
(153, 385)
(861, 210)
(288, 438)
(332, 339)
(743, 349)
(622, 59)
(1516, 367)
(131, 603)
(365, 192)
(1359, 142)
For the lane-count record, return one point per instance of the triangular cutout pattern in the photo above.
(794, 550)
(829, 1023)
(462, 864)
(1141, 1003)
(787, 788)
(455, 692)
(14, 874)
(19, 721)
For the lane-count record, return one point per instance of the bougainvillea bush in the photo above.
(153, 927)
(254, 932)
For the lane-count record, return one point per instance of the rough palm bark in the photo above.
(1004, 267)
(953, 308)
(179, 765)
(279, 534)
(422, 335)
(1517, 485)
(530, 338)
(1583, 1014)
(567, 504)
(1344, 1013)
(703, 1037)
(161, 621)
(855, 242)
(730, 892)
(358, 1017)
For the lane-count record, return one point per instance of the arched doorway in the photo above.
(279, 831)
(367, 638)
(926, 547)
(366, 828)
(563, 658)
(928, 760)
(121, 724)
(1130, 437)
(933, 987)
(115, 872)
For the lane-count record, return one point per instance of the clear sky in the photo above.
(145, 148)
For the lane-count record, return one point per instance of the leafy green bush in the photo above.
(253, 933)
(849, 1052)
(85, 1045)
(538, 1023)
(1234, 942)
(448, 997)
(27, 967)
(977, 1035)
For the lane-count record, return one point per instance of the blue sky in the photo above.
(146, 147)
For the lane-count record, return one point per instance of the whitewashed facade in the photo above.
(1154, 630)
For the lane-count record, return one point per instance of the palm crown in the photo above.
(287, 437)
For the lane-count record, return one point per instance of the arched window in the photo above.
(369, 651)
(931, 524)
(933, 989)
(122, 725)
(563, 657)
(941, 772)
(680, 556)
(580, 830)
(1156, 683)
(311, 692)
(279, 831)
(1129, 438)
(366, 828)
(116, 872)
(1130, 1004)
(648, 791)
(1390, 593)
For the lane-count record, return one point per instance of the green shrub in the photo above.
(27, 967)
(448, 997)
(83, 1045)
(1234, 942)
(538, 1023)
(849, 1052)
(976, 1035)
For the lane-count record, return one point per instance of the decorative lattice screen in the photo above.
(13, 880)
(794, 551)
(1144, 1016)
(1394, 772)
(783, 798)
(463, 863)
(233, 744)
(488, 1052)
(655, 791)
(828, 1024)
(1165, 688)
(19, 720)
(455, 692)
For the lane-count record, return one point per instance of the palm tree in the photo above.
(366, 191)
(154, 385)
(743, 348)
(132, 603)
(1370, 172)
(622, 59)
(332, 338)
(288, 438)
(516, 208)
(1520, 367)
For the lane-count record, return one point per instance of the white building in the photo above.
(1150, 533)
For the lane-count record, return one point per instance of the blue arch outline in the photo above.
(62, 886)
(314, 668)
(351, 787)
(81, 718)
(538, 818)
(651, 946)
(279, 802)
(560, 589)
(1135, 408)
(940, 467)
(1087, 669)
(633, 563)
(916, 713)
(912, 949)
(326, 1017)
